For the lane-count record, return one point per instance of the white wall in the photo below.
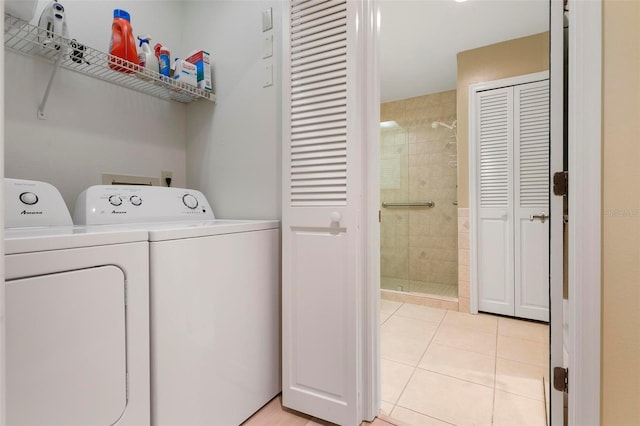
(233, 148)
(230, 150)
(93, 127)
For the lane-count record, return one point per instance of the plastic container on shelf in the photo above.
(123, 44)
(23, 9)
(147, 57)
(164, 59)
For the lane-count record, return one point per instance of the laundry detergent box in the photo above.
(202, 61)
(185, 72)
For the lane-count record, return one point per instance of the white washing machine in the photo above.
(215, 302)
(77, 317)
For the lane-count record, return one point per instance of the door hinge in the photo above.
(561, 379)
(561, 183)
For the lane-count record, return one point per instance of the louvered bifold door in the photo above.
(494, 127)
(531, 173)
(321, 203)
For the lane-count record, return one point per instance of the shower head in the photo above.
(451, 126)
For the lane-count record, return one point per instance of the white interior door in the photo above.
(494, 133)
(322, 208)
(531, 199)
(510, 192)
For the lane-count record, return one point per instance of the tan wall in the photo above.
(621, 216)
(502, 60)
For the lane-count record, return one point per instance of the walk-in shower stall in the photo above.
(418, 187)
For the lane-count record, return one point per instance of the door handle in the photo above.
(542, 216)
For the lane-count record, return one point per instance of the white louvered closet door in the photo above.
(531, 196)
(494, 135)
(321, 232)
(512, 190)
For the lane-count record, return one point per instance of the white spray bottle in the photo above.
(147, 55)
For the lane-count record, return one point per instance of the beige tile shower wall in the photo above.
(464, 292)
(418, 163)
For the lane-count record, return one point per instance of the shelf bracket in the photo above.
(41, 115)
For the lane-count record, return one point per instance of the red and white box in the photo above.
(202, 61)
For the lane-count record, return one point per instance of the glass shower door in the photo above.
(394, 188)
(418, 173)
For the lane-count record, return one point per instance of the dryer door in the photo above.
(66, 349)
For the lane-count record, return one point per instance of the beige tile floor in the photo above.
(443, 367)
(274, 414)
(447, 368)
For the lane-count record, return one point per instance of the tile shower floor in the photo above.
(435, 289)
(448, 368)
(444, 367)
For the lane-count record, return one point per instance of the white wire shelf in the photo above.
(27, 39)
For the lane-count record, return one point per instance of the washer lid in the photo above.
(29, 240)
(178, 230)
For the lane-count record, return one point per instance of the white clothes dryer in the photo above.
(215, 302)
(77, 317)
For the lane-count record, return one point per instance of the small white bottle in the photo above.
(147, 57)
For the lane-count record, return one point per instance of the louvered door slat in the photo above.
(318, 113)
(305, 59)
(302, 91)
(327, 25)
(316, 148)
(494, 148)
(316, 14)
(328, 111)
(533, 141)
(303, 97)
(319, 106)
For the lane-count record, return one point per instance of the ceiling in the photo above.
(419, 39)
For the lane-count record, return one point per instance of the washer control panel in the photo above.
(32, 203)
(112, 204)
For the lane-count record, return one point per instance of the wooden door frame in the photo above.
(585, 198)
(371, 373)
(585, 210)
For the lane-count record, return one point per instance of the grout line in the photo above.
(399, 315)
(524, 362)
(416, 366)
(495, 375)
(495, 356)
(426, 415)
(459, 378)
(524, 396)
(462, 349)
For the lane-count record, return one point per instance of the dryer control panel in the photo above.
(113, 204)
(30, 203)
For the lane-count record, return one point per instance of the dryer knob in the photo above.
(29, 198)
(115, 200)
(190, 201)
(135, 200)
